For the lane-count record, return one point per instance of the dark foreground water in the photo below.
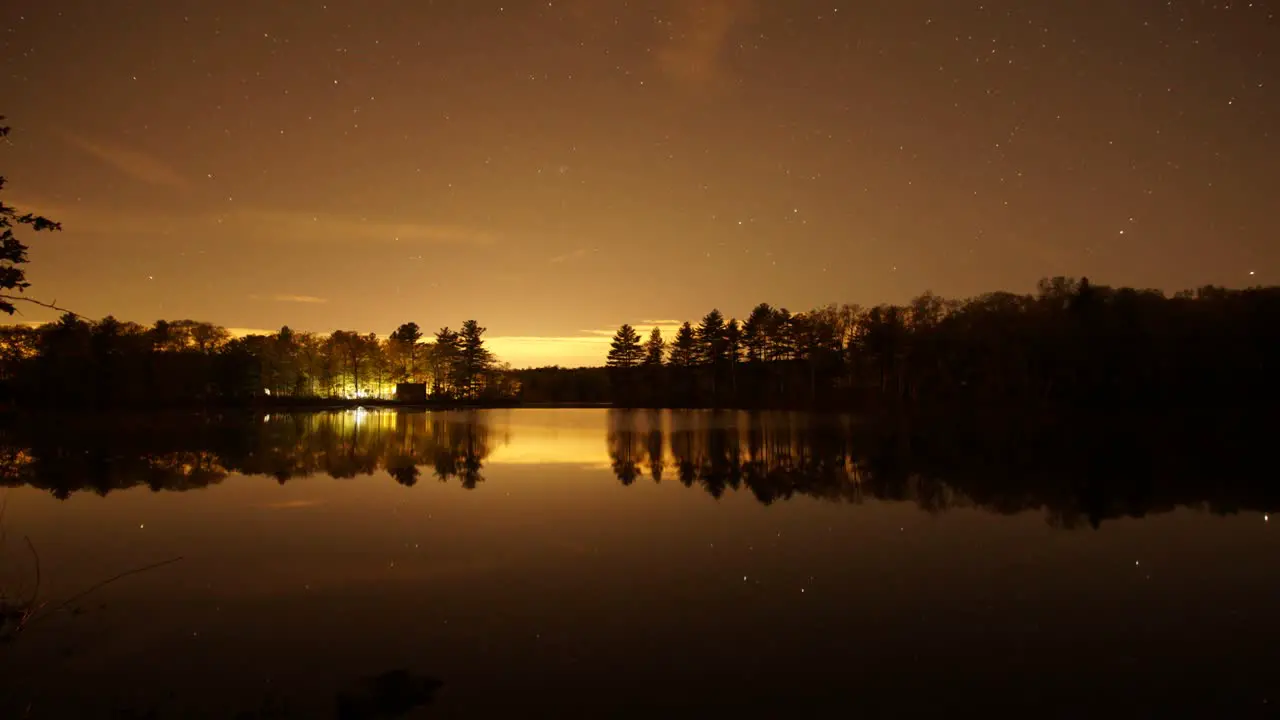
(592, 563)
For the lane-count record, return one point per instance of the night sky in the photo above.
(554, 169)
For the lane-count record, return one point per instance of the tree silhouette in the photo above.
(684, 349)
(1068, 347)
(355, 351)
(733, 352)
(406, 341)
(712, 348)
(712, 340)
(625, 351)
(209, 337)
(755, 332)
(654, 348)
(444, 360)
(13, 253)
(183, 362)
(474, 360)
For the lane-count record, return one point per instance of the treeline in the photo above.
(109, 363)
(1071, 344)
(1077, 476)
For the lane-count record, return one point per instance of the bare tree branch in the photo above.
(52, 306)
(4, 506)
(35, 593)
(114, 578)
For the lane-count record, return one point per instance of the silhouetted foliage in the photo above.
(13, 253)
(76, 363)
(473, 360)
(625, 352)
(564, 386)
(684, 349)
(404, 347)
(1072, 345)
(654, 349)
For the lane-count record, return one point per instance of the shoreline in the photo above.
(1227, 413)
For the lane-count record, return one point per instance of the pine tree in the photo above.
(782, 341)
(755, 332)
(711, 339)
(444, 360)
(474, 360)
(654, 348)
(684, 349)
(625, 351)
(733, 351)
(733, 342)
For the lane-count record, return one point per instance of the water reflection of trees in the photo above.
(194, 452)
(1076, 476)
(1076, 472)
(348, 444)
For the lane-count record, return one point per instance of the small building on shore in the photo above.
(409, 392)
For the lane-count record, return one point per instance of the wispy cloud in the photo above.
(307, 299)
(689, 46)
(694, 54)
(571, 255)
(136, 164)
(291, 226)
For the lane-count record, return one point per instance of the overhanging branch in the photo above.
(51, 305)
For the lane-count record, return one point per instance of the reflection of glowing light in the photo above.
(292, 504)
(360, 415)
(531, 445)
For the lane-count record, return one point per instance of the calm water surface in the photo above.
(593, 563)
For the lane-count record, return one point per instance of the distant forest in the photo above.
(76, 363)
(1071, 344)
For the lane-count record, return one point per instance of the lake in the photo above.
(608, 563)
